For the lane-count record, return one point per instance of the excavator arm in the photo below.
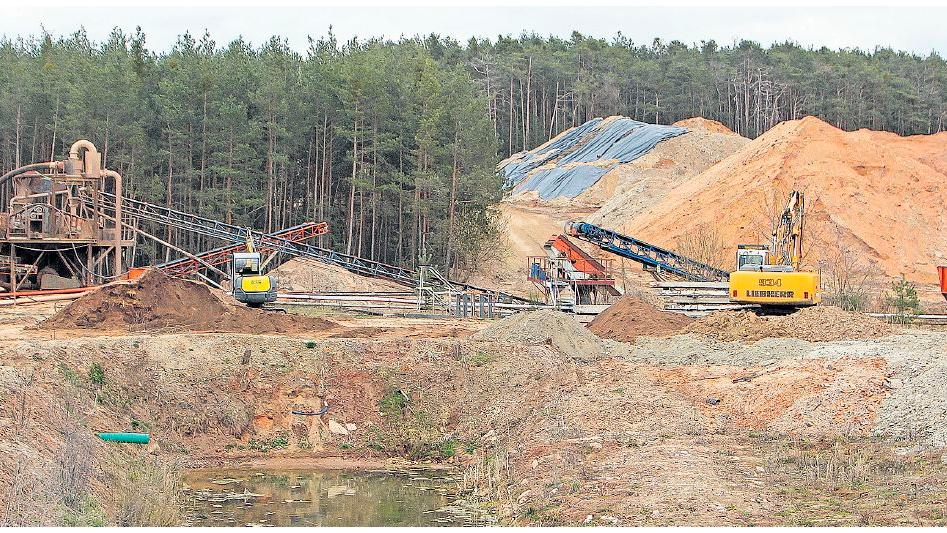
(786, 248)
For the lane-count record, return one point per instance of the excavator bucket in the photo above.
(942, 271)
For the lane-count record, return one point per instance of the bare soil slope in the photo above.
(704, 124)
(882, 195)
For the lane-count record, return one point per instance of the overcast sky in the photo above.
(917, 29)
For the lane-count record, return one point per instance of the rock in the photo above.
(712, 401)
(49, 280)
(337, 428)
(351, 427)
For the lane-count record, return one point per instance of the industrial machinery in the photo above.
(659, 261)
(50, 237)
(770, 276)
(942, 274)
(250, 285)
(566, 266)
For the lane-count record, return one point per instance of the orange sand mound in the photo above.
(156, 301)
(879, 194)
(704, 124)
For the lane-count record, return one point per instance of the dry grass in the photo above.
(856, 482)
(150, 494)
(705, 244)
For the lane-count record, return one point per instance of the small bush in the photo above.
(448, 449)
(392, 403)
(96, 374)
(69, 373)
(903, 300)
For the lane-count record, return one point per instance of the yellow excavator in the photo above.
(769, 276)
(250, 285)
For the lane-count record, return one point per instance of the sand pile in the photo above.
(704, 124)
(156, 301)
(303, 275)
(816, 324)
(636, 186)
(631, 317)
(866, 191)
(554, 328)
(645, 177)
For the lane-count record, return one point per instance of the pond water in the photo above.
(227, 497)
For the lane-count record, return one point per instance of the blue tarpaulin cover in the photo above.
(622, 139)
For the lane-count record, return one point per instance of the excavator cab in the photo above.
(752, 256)
(249, 284)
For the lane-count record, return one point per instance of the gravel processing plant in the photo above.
(611, 371)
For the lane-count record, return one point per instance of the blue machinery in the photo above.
(660, 259)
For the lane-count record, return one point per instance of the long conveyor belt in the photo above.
(237, 234)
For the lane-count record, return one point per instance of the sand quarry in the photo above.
(642, 417)
(876, 201)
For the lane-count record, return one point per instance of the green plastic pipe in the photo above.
(134, 438)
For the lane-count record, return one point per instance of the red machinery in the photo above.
(219, 256)
(568, 266)
(942, 272)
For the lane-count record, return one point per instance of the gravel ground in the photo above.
(554, 328)
(693, 349)
(916, 403)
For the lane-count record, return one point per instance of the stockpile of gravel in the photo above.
(554, 328)
(821, 323)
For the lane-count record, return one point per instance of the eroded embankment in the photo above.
(625, 434)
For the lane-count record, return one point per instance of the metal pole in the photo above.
(13, 271)
(88, 271)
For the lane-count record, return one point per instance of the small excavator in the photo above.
(250, 286)
(769, 276)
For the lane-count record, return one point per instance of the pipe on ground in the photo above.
(26, 300)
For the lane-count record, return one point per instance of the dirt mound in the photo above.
(799, 396)
(704, 124)
(557, 329)
(816, 324)
(304, 275)
(865, 191)
(156, 301)
(631, 317)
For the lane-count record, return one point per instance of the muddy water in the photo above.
(327, 498)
